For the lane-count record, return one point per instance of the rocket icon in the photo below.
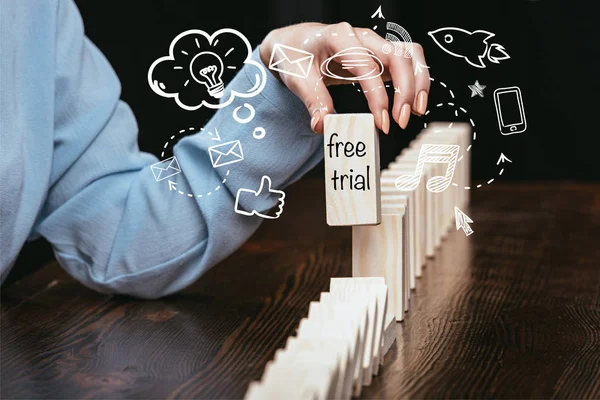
(472, 46)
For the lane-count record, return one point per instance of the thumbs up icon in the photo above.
(250, 197)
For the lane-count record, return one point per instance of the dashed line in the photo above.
(490, 181)
(501, 171)
(162, 154)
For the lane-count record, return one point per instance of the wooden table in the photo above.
(512, 311)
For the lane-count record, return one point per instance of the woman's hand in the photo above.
(410, 90)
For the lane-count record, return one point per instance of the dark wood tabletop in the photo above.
(512, 311)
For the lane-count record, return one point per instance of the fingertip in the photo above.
(404, 116)
(385, 121)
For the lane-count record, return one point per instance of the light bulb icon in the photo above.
(207, 68)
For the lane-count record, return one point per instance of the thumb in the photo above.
(265, 185)
(315, 96)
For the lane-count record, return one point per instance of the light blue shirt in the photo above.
(71, 170)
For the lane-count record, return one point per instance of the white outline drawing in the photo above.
(477, 89)
(297, 61)
(217, 138)
(259, 132)
(462, 221)
(399, 50)
(503, 159)
(264, 180)
(248, 118)
(232, 155)
(419, 68)
(353, 62)
(510, 128)
(474, 59)
(172, 185)
(209, 73)
(216, 90)
(165, 169)
(431, 153)
(378, 14)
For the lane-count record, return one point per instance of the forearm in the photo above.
(122, 231)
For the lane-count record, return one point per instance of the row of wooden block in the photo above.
(338, 347)
(413, 223)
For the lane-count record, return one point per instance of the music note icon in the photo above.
(436, 154)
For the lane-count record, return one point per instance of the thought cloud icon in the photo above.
(198, 66)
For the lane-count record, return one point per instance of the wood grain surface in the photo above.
(512, 311)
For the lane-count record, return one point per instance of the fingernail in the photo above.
(385, 121)
(404, 116)
(422, 102)
(315, 120)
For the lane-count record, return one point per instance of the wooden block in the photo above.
(351, 170)
(342, 331)
(389, 333)
(299, 375)
(349, 357)
(372, 289)
(418, 221)
(254, 392)
(359, 307)
(403, 269)
(323, 352)
(376, 251)
(431, 205)
(397, 204)
(388, 188)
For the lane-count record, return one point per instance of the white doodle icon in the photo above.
(419, 68)
(350, 59)
(403, 45)
(432, 153)
(241, 120)
(503, 159)
(264, 189)
(291, 61)
(462, 221)
(193, 72)
(226, 153)
(378, 14)
(509, 110)
(165, 169)
(259, 132)
(207, 68)
(477, 89)
(472, 46)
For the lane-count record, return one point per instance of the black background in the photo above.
(552, 44)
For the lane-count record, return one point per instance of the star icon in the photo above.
(477, 89)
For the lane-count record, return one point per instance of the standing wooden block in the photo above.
(377, 252)
(351, 170)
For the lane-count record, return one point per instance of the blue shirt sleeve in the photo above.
(111, 224)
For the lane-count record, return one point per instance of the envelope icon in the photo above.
(165, 169)
(291, 61)
(225, 153)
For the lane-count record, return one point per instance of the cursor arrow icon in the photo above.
(172, 185)
(502, 159)
(462, 221)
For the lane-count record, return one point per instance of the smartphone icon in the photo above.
(509, 109)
